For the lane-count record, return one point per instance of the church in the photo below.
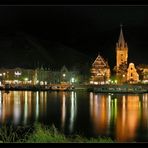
(125, 72)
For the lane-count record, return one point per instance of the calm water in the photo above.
(121, 117)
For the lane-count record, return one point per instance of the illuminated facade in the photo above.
(121, 52)
(42, 76)
(121, 58)
(16, 76)
(143, 72)
(64, 76)
(100, 71)
(132, 75)
(38, 76)
(123, 72)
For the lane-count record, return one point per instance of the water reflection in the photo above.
(1, 106)
(144, 108)
(128, 117)
(17, 107)
(37, 106)
(100, 112)
(124, 117)
(63, 116)
(121, 113)
(7, 108)
(25, 108)
(73, 111)
(68, 110)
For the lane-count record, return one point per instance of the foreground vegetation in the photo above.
(42, 134)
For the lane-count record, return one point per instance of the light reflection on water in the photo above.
(121, 117)
(73, 111)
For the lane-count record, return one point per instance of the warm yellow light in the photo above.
(72, 80)
(26, 79)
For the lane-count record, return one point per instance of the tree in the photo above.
(121, 72)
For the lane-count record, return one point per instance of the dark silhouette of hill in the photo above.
(19, 49)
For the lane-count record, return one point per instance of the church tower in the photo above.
(121, 54)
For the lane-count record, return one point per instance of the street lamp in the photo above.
(26, 79)
(64, 75)
(72, 79)
(115, 81)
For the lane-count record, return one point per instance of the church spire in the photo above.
(121, 41)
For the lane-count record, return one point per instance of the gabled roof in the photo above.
(64, 69)
(100, 61)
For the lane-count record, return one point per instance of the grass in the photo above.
(43, 134)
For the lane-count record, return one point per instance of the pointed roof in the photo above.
(121, 40)
(100, 61)
(64, 69)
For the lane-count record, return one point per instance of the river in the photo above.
(123, 117)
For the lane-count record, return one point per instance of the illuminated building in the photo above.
(121, 51)
(132, 75)
(100, 71)
(121, 58)
(143, 72)
(64, 76)
(38, 76)
(123, 73)
(42, 75)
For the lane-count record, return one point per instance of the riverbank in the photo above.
(44, 134)
(108, 88)
(122, 88)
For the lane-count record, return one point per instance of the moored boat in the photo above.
(60, 87)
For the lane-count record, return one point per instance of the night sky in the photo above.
(34, 34)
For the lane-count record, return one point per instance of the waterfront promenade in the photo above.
(122, 88)
(86, 87)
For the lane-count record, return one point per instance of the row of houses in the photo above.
(41, 76)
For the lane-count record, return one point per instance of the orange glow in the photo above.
(63, 110)
(144, 114)
(127, 118)
(99, 113)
